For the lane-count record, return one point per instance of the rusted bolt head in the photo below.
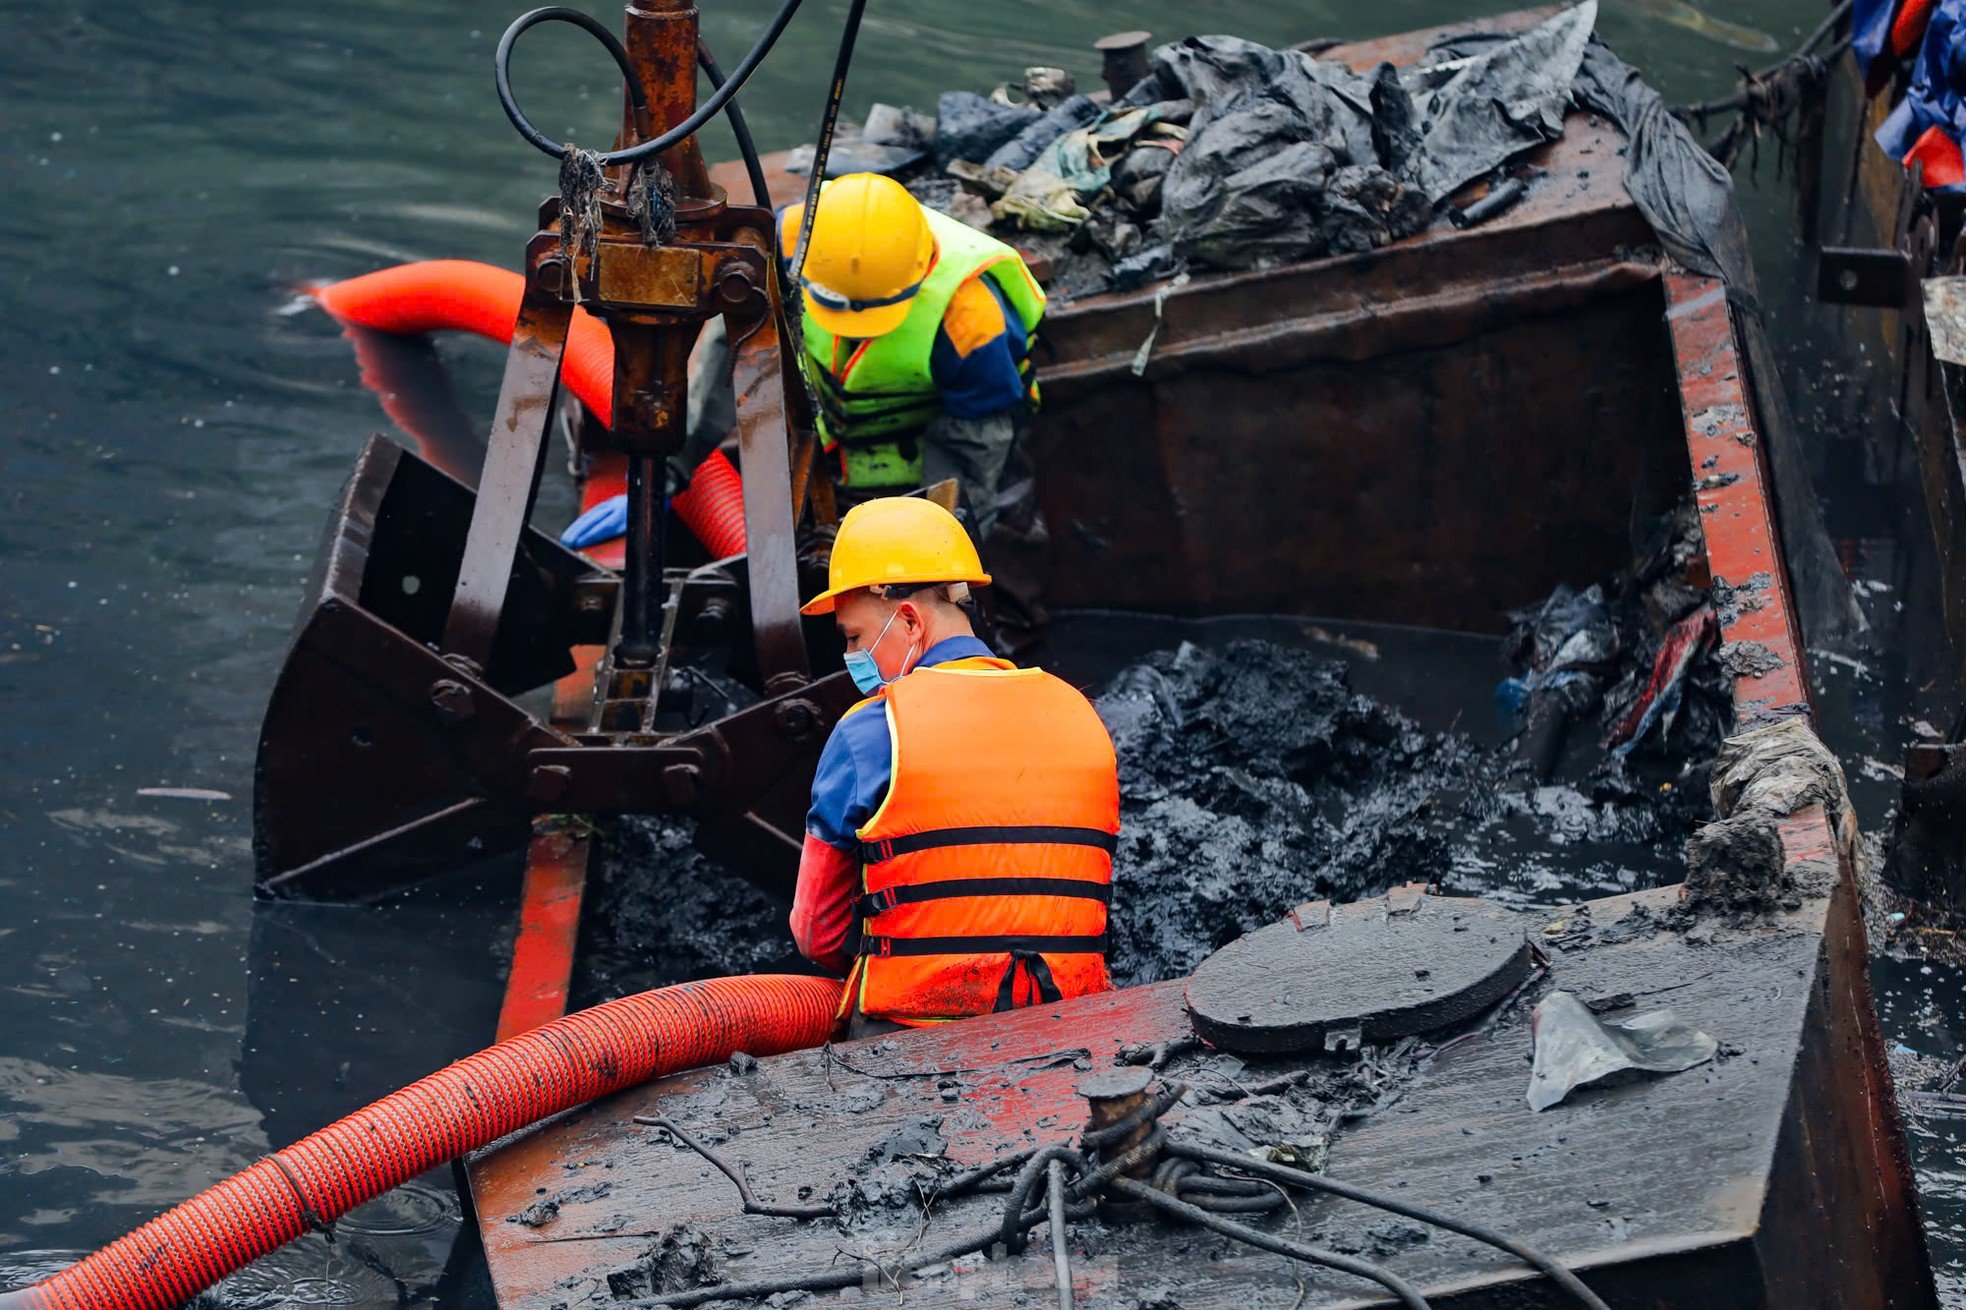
(548, 783)
(452, 701)
(551, 274)
(796, 718)
(735, 285)
(679, 782)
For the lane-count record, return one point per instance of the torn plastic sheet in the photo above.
(1479, 112)
(1284, 157)
(1575, 1048)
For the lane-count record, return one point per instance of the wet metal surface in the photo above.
(1598, 1181)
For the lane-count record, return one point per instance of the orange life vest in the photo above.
(988, 867)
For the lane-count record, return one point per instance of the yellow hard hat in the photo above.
(897, 539)
(870, 250)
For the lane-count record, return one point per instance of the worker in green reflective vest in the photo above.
(918, 335)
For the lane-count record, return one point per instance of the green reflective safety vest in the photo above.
(876, 395)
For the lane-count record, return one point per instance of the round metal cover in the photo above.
(1332, 976)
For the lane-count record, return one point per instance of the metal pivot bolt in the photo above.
(452, 701)
(552, 274)
(1112, 1095)
(548, 783)
(797, 718)
(680, 782)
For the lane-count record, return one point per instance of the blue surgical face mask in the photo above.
(860, 665)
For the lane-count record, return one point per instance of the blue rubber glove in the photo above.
(604, 522)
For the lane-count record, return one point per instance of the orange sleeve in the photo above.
(974, 317)
(822, 906)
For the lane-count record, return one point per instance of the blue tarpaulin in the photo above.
(1938, 75)
(1870, 29)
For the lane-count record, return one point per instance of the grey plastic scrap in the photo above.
(1574, 1047)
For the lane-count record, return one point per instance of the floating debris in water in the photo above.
(186, 793)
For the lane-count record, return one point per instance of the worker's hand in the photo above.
(604, 522)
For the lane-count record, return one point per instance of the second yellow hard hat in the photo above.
(870, 250)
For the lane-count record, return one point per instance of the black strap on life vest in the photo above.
(873, 903)
(1032, 964)
(1029, 834)
(1093, 944)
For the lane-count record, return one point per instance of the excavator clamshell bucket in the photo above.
(378, 758)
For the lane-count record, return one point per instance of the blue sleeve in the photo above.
(852, 777)
(985, 381)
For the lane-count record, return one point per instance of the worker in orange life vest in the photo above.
(959, 850)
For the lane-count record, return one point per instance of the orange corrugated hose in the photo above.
(476, 1101)
(462, 295)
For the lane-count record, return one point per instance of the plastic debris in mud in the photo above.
(1575, 1048)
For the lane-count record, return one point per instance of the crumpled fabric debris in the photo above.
(968, 126)
(1665, 687)
(1575, 1048)
(1282, 160)
(1780, 769)
(1565, 648)
(1022, 150)
(1048, 196)
(1736, 863)
(1480, 111)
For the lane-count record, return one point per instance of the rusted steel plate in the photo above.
(549, 925)
(555, 882)
(511, 475)
(770, 512)
(1919, 393)
(1736, 502)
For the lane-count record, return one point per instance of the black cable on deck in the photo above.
(1544, 1264)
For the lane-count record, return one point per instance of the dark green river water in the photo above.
(176, 422)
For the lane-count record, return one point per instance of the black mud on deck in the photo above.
(1253, 777)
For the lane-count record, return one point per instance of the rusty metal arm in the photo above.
(510, 482)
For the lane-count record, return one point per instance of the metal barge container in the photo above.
(1892, 255)
(1430, 433)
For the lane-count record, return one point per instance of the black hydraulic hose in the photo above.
(824, 148)
(738, 127)
(1409, 1295)
(1529, 1255)
(502, 73)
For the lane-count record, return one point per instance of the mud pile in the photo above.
(659, 911)
(1252, 778)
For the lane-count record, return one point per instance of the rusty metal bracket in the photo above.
(1882, 279)
(513, 461)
